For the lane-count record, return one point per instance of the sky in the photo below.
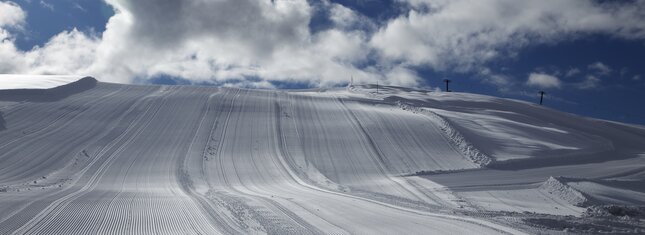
(587, 55)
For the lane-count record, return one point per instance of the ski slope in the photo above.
(91, 157)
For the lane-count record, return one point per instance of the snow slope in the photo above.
(108, 158)
(21, 81)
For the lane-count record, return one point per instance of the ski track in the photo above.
(199, 160)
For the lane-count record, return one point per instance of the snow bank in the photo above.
(453, 135)
(524, 200)
(24, 81)
(556, 187)
(616, 210)
(616, 192)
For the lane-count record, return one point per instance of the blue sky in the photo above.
(589, 56)
(48, 18)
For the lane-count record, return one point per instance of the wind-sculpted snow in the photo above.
(35, 82)
(130, 159)
(457, 140)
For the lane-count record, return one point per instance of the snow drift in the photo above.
(21, 81)
(558, 188)
(30, 92)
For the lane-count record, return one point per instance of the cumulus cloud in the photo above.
(543, 81)
(246, 42)
(346, 18)
(229, 41)
(67, 51)
(11, 15)
(70, 52)
(402, 76)
(254, 42)
(462, 34)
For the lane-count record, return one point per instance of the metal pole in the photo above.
(541, 96)
(376, 87)
(447, 81)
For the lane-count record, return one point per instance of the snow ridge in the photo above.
(555, 186)
(455, 137)
(48, 94)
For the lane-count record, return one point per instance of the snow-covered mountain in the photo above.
(92, 157)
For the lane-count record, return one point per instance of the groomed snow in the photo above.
(180, 159)
(21, 81)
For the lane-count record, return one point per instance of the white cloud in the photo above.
(402, 76)
(600, 69)
(251, 42)
(347, 19)
(462, 34)
(543, 81)
(11, 15)
(636, 77)
(233, 42)
(345, 47)
(572, 72)
(500, 80)
(229, 41)
(69, 52)
(590, 82)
